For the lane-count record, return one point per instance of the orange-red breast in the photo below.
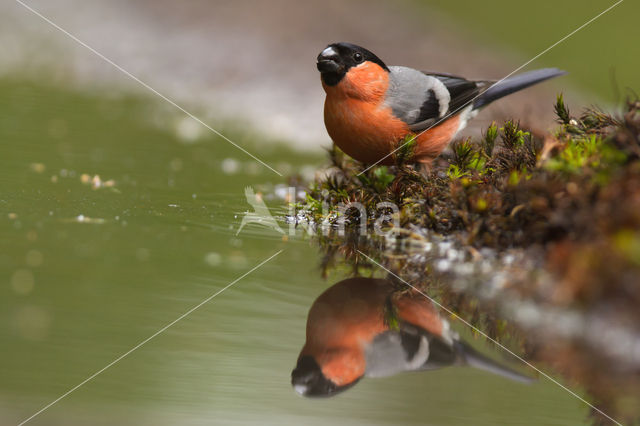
(371, 108)
(363, 327)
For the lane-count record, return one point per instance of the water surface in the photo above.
(93, 266)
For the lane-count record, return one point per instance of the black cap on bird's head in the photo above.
(336, 60)
(308, 380)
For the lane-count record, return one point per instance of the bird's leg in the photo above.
(424, 167)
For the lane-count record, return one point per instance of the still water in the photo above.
(93, 266)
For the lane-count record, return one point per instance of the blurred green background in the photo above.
(604, 57)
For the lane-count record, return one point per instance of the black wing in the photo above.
(441, 353)
(462, 92)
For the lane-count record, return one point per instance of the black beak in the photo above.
(307, 380)
(329, 61)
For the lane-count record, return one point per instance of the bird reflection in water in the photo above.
(365, 327)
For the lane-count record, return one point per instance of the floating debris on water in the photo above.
(38, 167)
(96, 182)
(230, 166)
(188, 130)
(237, 260)
(85, 219)
(213, 259)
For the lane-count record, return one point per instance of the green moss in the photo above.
(489, 140)
(405, 147)
(588, 154)
(475, 190)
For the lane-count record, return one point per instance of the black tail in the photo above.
(475, 359)
(514, 84)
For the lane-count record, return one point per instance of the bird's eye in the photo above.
(357, 57)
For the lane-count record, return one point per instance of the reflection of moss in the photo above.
(627, 241)
(391, 315)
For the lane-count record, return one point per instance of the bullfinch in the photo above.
(364, 327)
(371, 108)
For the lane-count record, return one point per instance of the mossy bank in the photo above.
(568, 202)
